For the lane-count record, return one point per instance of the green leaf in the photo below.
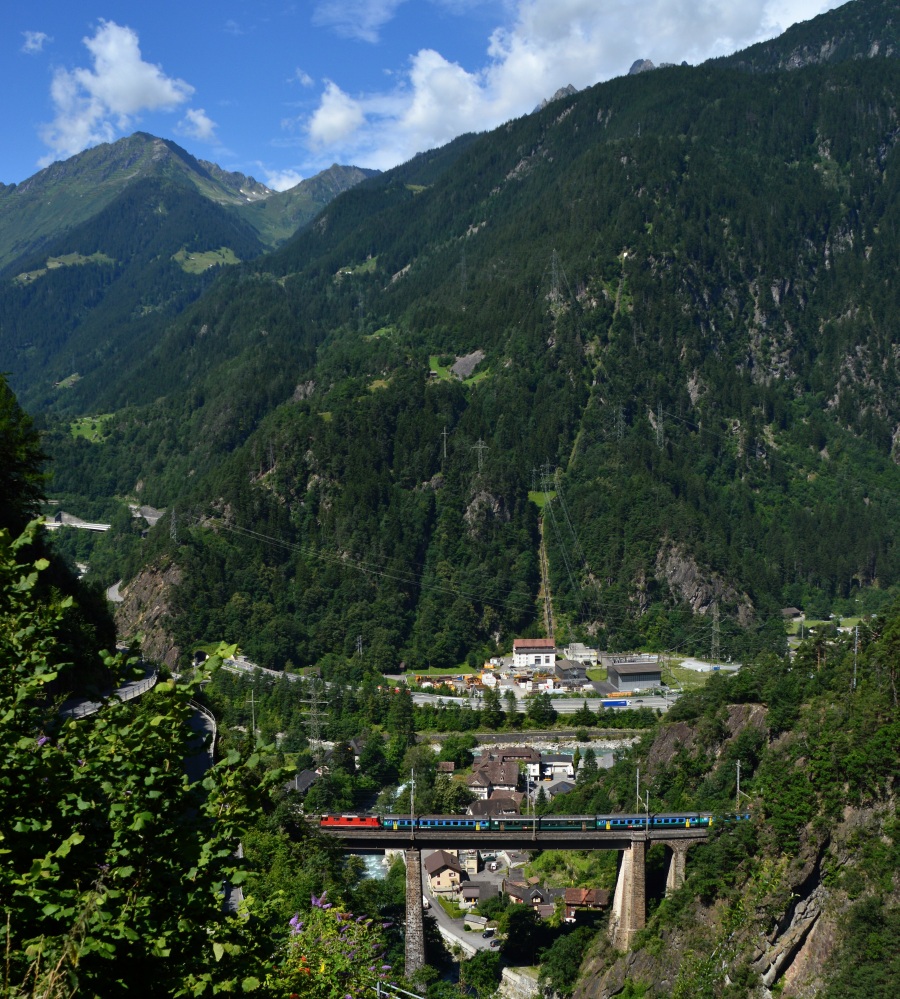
(219, 951)
(250, 984)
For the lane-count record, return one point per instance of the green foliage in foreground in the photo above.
(112, 862)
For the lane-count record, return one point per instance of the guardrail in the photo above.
(197, 706)
(134, 688)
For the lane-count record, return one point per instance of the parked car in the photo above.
(487, 933)
(495, 943)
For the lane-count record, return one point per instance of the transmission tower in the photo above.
(480, 447)
(554, 277)
(660, 434)
(315, 716)
(444, 435)
(714, 652)
(173, 526)
(620, 423)
(463, 279)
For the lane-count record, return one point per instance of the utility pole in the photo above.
(444, 435)
(660, 433)
(359, 645)
(620, 423)
(855, 651)
(252, 703)
(173, 526)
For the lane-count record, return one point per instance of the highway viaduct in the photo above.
(629, 910)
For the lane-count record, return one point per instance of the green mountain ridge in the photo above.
(70, 192)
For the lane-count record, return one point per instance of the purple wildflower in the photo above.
(386, 926)
(296, 924)
(360, 919)
(42, 740)
(385, 967)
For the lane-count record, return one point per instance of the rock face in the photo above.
(144, 610)
(562, 92)
(698, 588)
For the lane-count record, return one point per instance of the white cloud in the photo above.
(34, 41)
(93, 104)
(197, 125)
(282, 180)
(361, 19)
(302, 77)
(337, 118)
(544, 45)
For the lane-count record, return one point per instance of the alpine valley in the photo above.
(675, 299)
(624, 371)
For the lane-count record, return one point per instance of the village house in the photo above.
(495, 807)
(532, 653)
(551, 766)
(493, 777)
(444, 872)
(583, 898)
(532, 893)
(471, 893)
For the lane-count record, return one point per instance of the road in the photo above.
(563, 705)
(452, 928)
(81, 707)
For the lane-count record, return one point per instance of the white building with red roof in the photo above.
(534, 653)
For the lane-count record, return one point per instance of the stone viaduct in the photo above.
(629, 909)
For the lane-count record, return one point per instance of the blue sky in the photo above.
(281, 90)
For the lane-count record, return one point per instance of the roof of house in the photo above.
(446, 766)
(587, 896)
(629, 668)
(556, 758)
(495, 773)
(439, 860)
(493, 806)
(515, 753)
(500, 794)
(561, 787)
(472, 890)
(302, 782)
(520, 644)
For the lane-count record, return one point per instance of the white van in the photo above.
(425, 903)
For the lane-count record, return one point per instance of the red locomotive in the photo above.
(350, 821)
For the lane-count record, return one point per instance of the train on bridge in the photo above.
(519, 823)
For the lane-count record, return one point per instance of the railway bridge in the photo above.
(629, 911)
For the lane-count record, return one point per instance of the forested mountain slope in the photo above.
(96, 251)
(804, 899)
(684, 287)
